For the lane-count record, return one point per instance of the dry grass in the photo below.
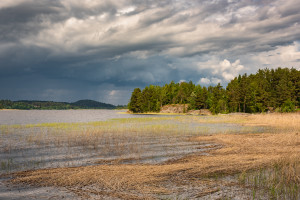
(289, 121)
(274, 119)
(240, 153)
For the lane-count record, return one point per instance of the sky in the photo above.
(67, 50)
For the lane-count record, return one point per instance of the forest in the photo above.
(51, 105)
(268, 90)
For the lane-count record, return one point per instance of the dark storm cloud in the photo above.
(25, 18)
(28, 11)
(103, 49)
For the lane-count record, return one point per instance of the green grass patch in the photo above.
(280, 181)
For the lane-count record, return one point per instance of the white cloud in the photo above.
(208, 81)
(205, 81)
(227, 76)
(246, 12)
(285, 56)
(224, 70)
(225, 65)
(127, 10)
(230, 70)
(216, 80)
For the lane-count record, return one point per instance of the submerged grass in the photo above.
(262, 161)
(105, 139)
(281, 180)
(240, 153)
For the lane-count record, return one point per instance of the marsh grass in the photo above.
(235, 157)
(281, 180)
(96, 133)
(257, 158)
(113, 139)
(6, 165)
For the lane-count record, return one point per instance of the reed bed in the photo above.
(262, 165)
(240, 155)
(69, 143)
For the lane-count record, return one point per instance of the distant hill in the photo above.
(92, 104)
(51, 105)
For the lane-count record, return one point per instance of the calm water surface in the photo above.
(33, 147)
(8, 117)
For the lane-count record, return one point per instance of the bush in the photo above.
(288, 106)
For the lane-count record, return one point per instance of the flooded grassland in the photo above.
(153, 157)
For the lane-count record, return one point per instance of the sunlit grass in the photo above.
(115, 129)
(116, 137)
(280, 180)
(254, 155)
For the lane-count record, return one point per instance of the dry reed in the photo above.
(240, 153)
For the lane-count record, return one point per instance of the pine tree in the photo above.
(135, 101)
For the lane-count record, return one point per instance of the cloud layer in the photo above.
(67, 50)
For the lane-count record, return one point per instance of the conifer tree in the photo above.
(135, 104)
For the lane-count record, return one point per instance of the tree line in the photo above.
(51, 105)
(267, 90)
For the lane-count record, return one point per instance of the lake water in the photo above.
(129, 141)
(8, 117)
